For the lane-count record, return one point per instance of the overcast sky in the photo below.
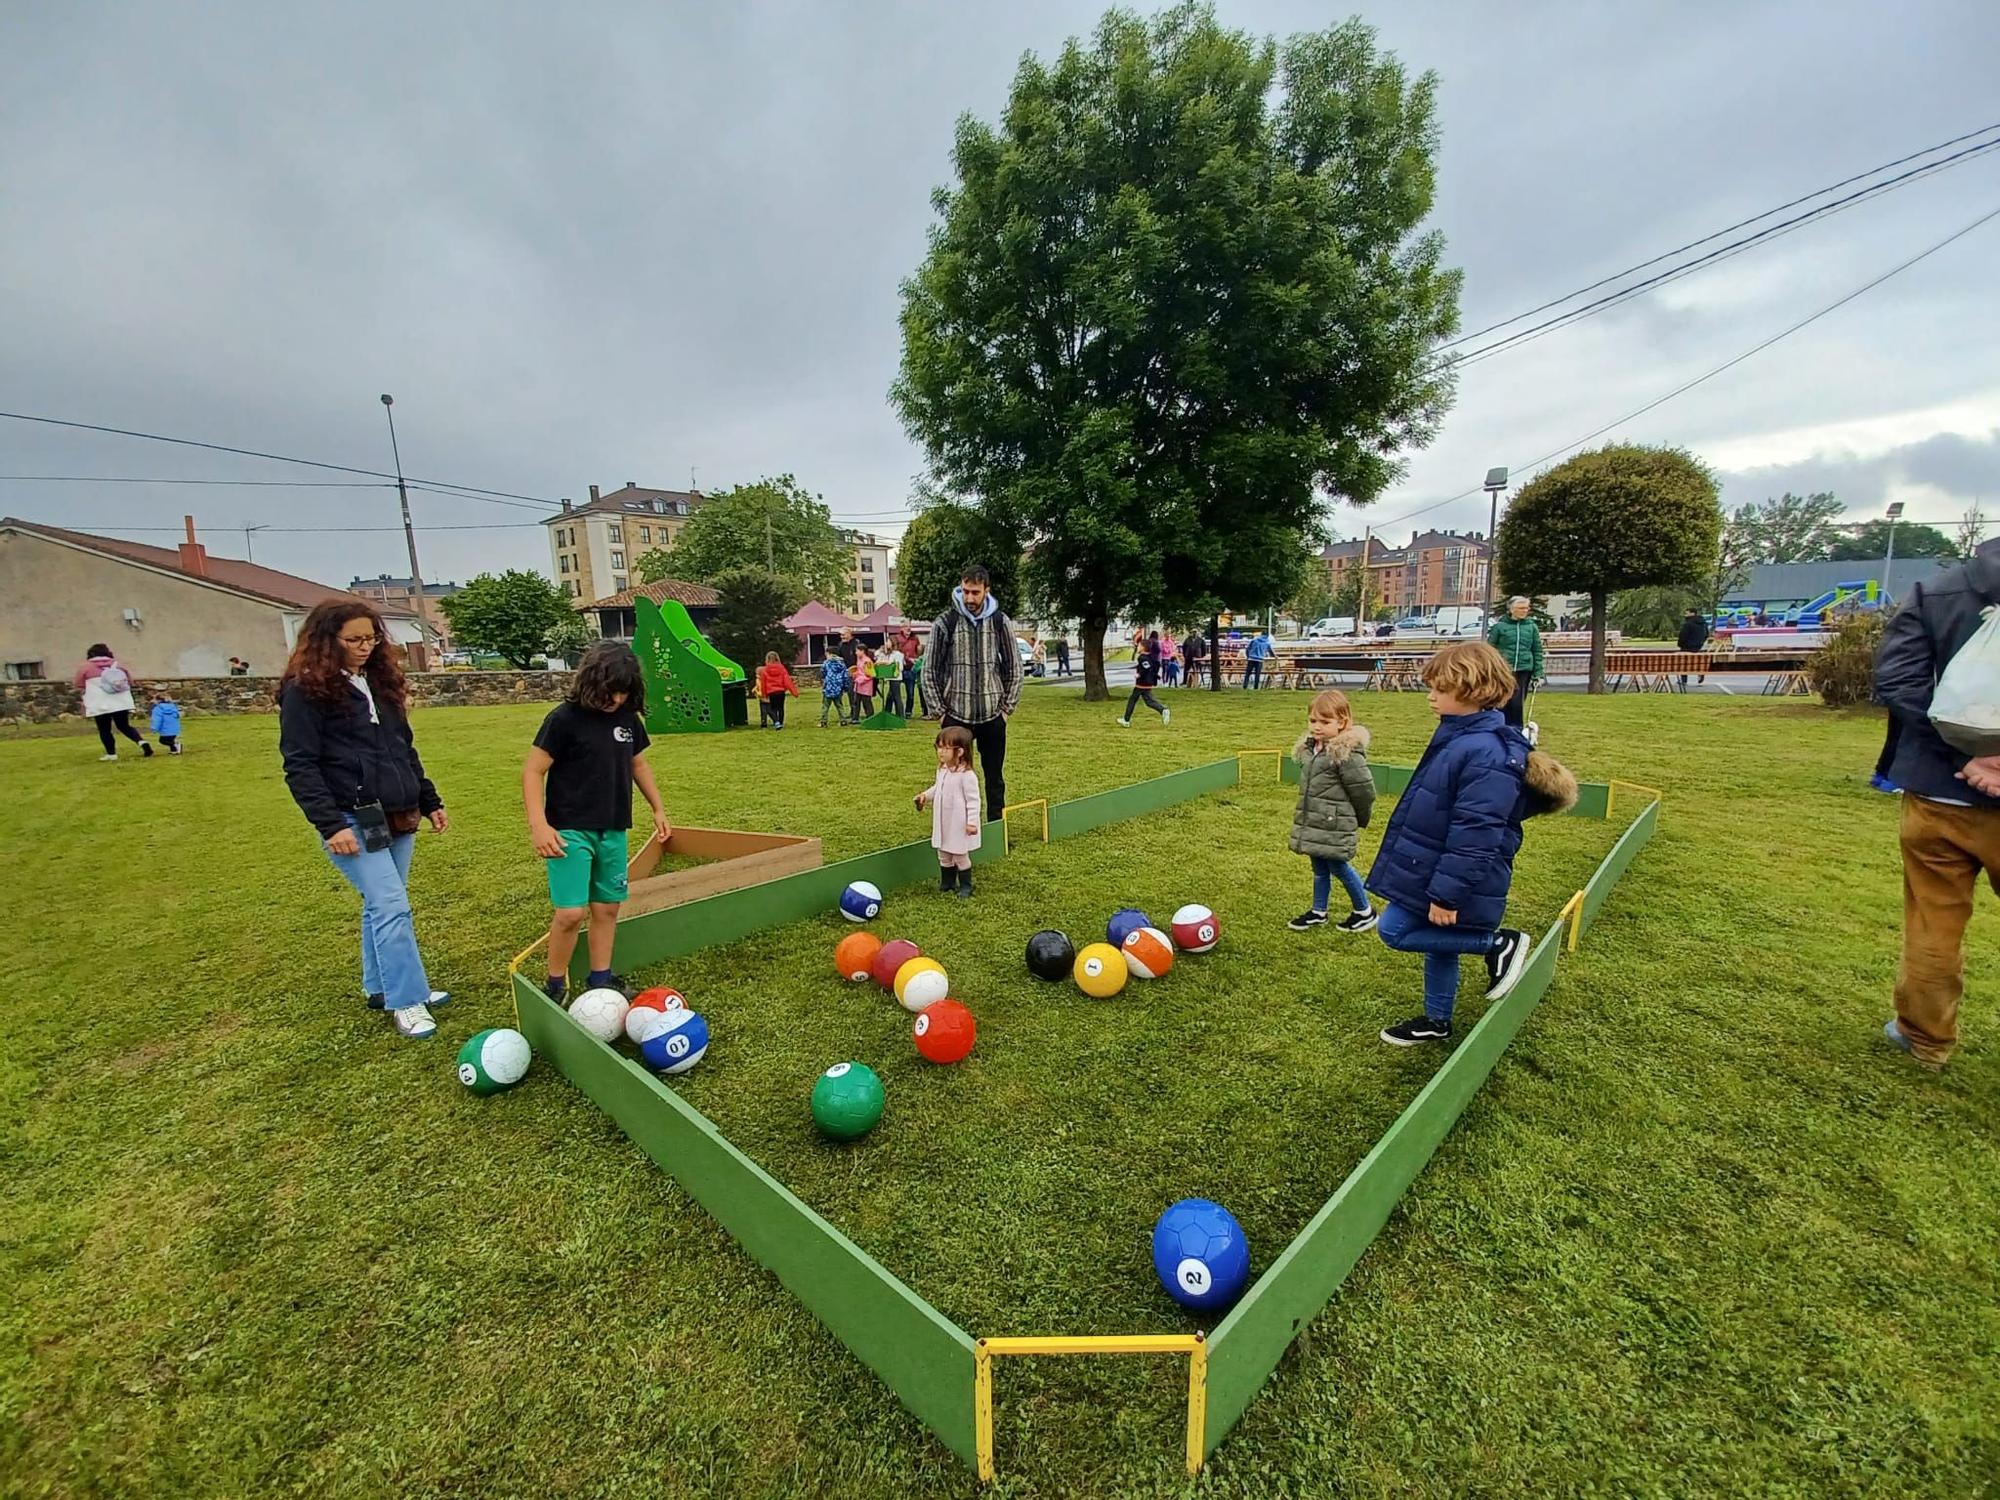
(605, 242)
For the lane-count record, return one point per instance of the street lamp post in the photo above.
(409, 531)
(1496, 481)
(1889, 562)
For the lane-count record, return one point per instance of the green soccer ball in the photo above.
(494, 1059)
(847, 1101)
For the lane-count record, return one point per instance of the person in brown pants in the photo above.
(1950, 830)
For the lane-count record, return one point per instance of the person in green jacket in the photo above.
(1519, 640)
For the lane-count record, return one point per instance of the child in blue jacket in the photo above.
(1447, 856)
(166, 721)
(833, 687)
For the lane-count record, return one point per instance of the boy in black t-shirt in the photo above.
(577, 784)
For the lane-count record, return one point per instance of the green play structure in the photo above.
(691, 688)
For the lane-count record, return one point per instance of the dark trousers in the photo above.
(990, 741)
(1143, 695)
(1253, 672)
(774, 709)
(1062, 658)
(122, 721)
(1517, 706)
(172, 742)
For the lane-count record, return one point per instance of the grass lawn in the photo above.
(1701, 1233)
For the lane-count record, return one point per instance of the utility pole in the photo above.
(1361, 599)
(409, 531)
(768, 568)
(1889, 562)
(1496, 481)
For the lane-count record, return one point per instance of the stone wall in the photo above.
(49, 702)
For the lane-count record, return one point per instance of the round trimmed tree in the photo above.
(1623, 516)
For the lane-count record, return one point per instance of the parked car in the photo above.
(1332, 627)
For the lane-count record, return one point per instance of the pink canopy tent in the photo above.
(815, 622)
(886, 619)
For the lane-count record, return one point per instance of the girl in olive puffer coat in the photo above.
(1336, 797)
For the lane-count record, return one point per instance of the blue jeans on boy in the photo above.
(1324, 871)
(1413, 932)
(390, 964)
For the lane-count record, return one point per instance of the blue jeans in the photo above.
(390, 964)
(1412, 932)
(1324, 871)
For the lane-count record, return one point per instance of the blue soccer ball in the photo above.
(1123, 924)
(678, 1044)
(1200, 1255)
(861, 902)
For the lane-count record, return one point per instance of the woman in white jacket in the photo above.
(107, 699)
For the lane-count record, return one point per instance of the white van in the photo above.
(1332, 627)
(1453, 621)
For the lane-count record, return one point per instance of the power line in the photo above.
(465, 491)
(273, 484)
(1711, 374)
(1725, 252)
(1718, 234)
(116, 526)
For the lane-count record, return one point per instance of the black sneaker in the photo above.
(1358, 921)
(1507, 963)
(1417, 1029)
(1306, 919)
(377, 1001)
(555, 988)
(612, 982)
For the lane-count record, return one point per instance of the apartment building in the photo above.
(594, 546)
(1431, 570)
(399, 595)
(873, 578)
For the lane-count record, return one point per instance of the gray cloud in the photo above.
(1966, 469)
(626, 241)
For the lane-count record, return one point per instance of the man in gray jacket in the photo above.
(972, 672)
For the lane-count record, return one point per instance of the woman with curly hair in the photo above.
(352, 766)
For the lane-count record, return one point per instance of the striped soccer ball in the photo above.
(494, 1059)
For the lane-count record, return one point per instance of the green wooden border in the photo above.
(924, 1358)
(921, 1355)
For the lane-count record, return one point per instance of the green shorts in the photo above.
(593, 870)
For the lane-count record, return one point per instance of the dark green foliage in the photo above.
(774, 523)
(936, 548)
(1618, 517)
(569, 639)
(509, 614)
(750, 621)
(1655, 613)
(1176, 297)
(1870, 543)
(1792, 528)
(1842, 671)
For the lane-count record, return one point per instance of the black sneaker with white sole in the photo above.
(1416, 1030)
(1307, 919)
(1358, 921)
(1507, 963)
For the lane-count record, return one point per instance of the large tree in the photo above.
(939, 544)
(1870, 542)
(1792, 528)
(775, 524)
(1176, 298)
(750, 620)
(509, 614)
(1618, 517)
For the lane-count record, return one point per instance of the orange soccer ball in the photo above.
(855, 955)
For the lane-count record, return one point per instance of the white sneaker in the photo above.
(438, 997)
(1533, 732)
(1166, 716)
(1122, 724)
(107, 757)
(414, 1023)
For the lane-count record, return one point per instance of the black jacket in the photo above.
(1694, 634)
(336, 758)
(1147, 674)
(1939, 616)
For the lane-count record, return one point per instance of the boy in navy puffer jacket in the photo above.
(1447, 856)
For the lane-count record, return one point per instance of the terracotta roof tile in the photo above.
(695, 595)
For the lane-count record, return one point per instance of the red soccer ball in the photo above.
(1195, 929)
(945, 1032)
(892, 957)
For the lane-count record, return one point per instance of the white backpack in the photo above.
(113, 680)
(1965, 709)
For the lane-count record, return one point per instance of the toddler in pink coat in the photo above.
(954, 803)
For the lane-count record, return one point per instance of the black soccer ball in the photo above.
(1050, 955)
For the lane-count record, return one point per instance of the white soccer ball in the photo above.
(924, 988)
(600, 1012)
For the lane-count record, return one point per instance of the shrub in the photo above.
(1842, 671)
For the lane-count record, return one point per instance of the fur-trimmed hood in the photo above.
(1345, 742)
(1551, 784)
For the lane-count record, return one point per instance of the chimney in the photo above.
(194, 556)
(593, 494)
(568, 504)
(631, 484)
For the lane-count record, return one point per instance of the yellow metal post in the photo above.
(1197, 1423)
(985, 1351)
(1006, 829)
(982, 1408)
(1572, 913)
(1243, 755)
(515, 968)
